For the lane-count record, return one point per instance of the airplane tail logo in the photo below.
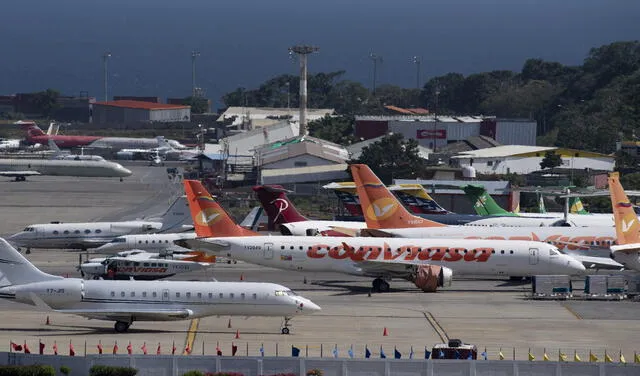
(626, 220)
(576, 207)
(381, 208)
(209, 218)
(484, 204)
(31, 128)
(279, 208)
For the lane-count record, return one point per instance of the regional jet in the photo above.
(127, 301)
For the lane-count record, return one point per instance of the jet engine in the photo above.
(429, 277)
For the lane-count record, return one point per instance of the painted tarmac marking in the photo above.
(191, 336)
(574, 313)
(436, 326)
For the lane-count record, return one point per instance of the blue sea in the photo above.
(60, 43)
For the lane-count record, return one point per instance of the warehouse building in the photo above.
(435, 133)
(129, 111)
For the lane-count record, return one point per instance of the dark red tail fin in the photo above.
(31, 128)
(275, 202)
(209, 218)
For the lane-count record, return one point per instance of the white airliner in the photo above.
(9, 144)
(385, 216)
(22, 168)
(429, 263)
(141, 265)
(127, 301)
(161, 243)
(87, 235)
(164, 151)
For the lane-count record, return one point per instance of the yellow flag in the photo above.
(636, 357)
(562, 357)
(607, 358)
(576, 358)
(622, 359)
(501, 355)
(531, 357)
(545, 357)
(592, 357)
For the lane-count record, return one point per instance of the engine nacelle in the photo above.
(429, 277)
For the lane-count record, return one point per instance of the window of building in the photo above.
(300, 164)
(489, 163)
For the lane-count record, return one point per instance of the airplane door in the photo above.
(165, 295)
(533, 256)
(268, 251)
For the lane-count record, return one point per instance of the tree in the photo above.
(198, 105)
(46, 102)
(551, 160)
(393, 157)
(337, 129)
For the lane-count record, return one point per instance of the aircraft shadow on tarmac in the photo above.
(348, 288)
(57, 330)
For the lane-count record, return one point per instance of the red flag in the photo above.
(26, 348)
(187, 349)
(41, 347)
(144, 348)
(218, 351)
(115, 348)
(129, 348)
(55, 348)
(99, 347)
(16, 347)
(72, 352)
(173, 348)
(158, 352)
(234, 349)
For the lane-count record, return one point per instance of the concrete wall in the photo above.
(167, 365)
(179, 114)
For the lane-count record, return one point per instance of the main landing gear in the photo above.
(285, 325)
(122, 326)
(380, 285)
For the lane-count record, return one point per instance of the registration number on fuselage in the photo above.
(253, 247)
(54, 291)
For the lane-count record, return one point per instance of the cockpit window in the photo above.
(118, 240)
(28, 229)
(285, 293)
(554, 252)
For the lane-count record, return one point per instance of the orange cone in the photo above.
(384, 332)
(229, 324)
(47, 322)
(237, 334)
(242, 277)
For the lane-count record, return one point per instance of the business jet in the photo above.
(428, 263)
(141, 265)
(161, 243)
(88, 235)
(386, 217)
(165, 150)
(127, 301)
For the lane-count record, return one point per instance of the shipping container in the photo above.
(551, 287)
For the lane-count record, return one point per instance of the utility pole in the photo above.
(416, 61)
(375, 58)
(105, 58)
(194, 89)
(435, 120)
(302, 51)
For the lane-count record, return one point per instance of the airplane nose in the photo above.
(307, 306)
(575, 265)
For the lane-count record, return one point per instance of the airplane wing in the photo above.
(202, 243)
(156, 314)
(591, 262)
(14, 174)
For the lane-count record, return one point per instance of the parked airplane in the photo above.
(386, 217)
(87, 235)
(483, 202)
(57, 153)
(161, 243)
(127, 301)
(163, 151)
(141, 265)
(627, 252)
(20, 169)
(9, 144)
(428, 263)
(35, 135)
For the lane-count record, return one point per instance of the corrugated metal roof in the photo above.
(503, 151)
(141, 105)
(305, 174)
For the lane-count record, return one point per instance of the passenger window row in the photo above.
(188, 295)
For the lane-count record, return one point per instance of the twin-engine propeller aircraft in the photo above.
(428, 263)
(127, 301)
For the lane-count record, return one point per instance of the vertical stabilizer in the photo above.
(17, 269)
(416, 199)
(483, 203)
(279, 208)
(30, 128)
(626, 220)
(177, 218)
(381, 208)
(209, 218)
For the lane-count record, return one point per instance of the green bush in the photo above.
(100, 370)
(65, 370)
(193, 373)
(36, 370)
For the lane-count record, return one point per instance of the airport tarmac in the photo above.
(491, 313)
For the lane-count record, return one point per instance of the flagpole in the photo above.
(306, 350)
(85, 347)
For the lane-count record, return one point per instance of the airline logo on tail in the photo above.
(282, 205)
(627, 220)
(381, 209)
(207, 217)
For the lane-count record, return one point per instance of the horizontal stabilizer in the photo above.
(591, 262)
(14, 174)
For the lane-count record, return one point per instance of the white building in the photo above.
(128, 111)
(521, 159)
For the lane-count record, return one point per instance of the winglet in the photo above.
(209, 218)
(380, 207)
(626, 220)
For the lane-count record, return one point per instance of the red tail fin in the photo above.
(275, 202)
(31, 128)
(209, 218)
(381, 208)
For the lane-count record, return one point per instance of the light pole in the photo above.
(302, 51)
(435, 120)
(375, 58)
(416, 61)
(194, 55)
(105, 58)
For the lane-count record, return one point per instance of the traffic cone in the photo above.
(238, 334)
(47, 322)
(384, 332)
(242, 277)
(229, 324)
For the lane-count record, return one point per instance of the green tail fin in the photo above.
(483, 203)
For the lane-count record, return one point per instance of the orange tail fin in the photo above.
(209, 218)
(380, 207)
(627, 226)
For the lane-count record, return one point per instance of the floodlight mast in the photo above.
(302, 51)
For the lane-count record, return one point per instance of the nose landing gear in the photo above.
(285, 325)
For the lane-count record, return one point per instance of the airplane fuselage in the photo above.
(147, 242)
(66, 167)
